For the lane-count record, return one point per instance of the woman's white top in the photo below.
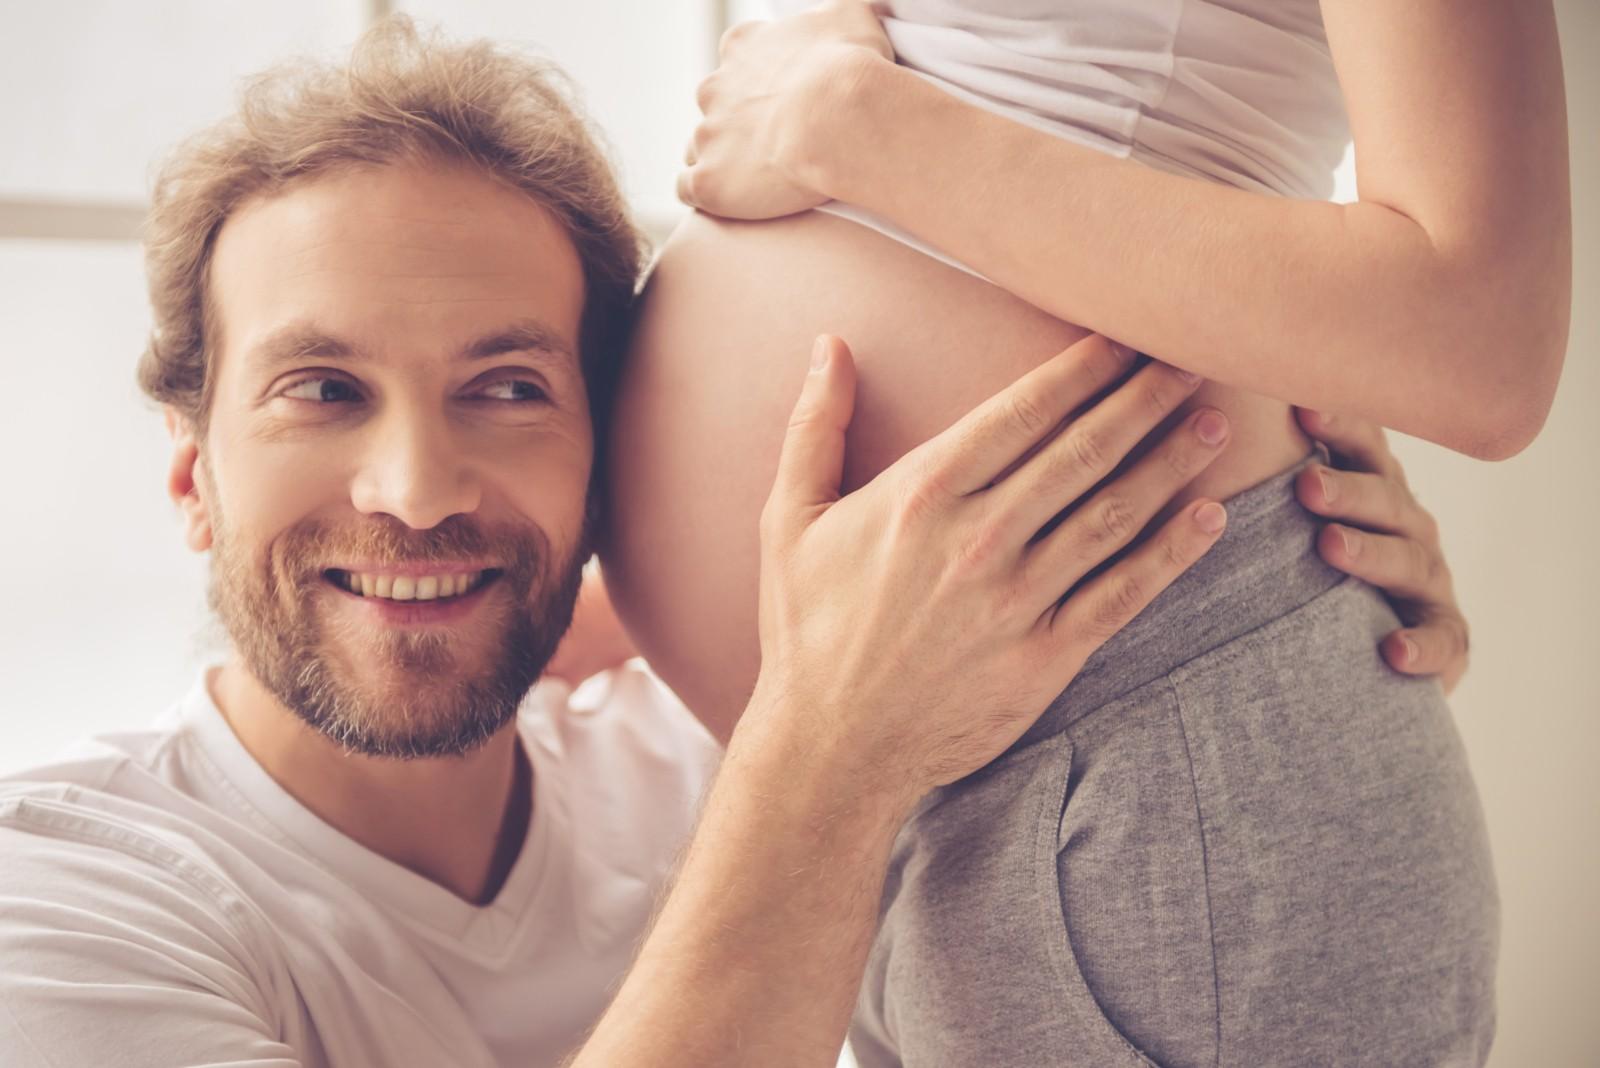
(1241, 92)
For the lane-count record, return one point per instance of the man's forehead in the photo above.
(367, 260)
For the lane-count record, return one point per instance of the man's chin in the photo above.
(409, 716)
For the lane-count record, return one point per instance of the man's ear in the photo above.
(183, 484)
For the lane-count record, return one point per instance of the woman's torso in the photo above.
(731, 309)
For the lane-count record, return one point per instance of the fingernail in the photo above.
(1123, 352)
(1324, 418)
(819, 354)
(1352, 543)
(1211, 516)
(1330, 489)
(1408, 650)
(1211, 427)
(1189, 377)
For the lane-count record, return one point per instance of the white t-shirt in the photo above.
(164, 902)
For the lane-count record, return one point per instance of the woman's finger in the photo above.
(1439, 645)
(1092, 446)
(1100, 526)
(1398, 565)
(988, 441)
(1108, 602)
(1361, 445)
(1376, 502)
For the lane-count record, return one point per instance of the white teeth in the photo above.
(412, 587)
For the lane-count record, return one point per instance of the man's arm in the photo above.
(910, 633)
(111, 955)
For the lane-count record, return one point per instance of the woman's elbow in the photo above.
(1505, 355)
(1506, 407)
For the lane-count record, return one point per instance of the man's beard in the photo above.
(427, 702)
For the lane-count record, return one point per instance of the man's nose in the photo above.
(416, 470)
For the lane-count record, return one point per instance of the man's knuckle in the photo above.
(1181, 458)
(1423, 562)
(1087, 448)
(1122, 602)
(983, 546)
(1027, 415)
(1174, 554)
(1116, 517)
(919, 499)
(1161, 395)
(1427, 525)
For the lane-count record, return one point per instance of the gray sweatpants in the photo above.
(1238, 838)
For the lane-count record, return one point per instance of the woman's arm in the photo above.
(1438, 304)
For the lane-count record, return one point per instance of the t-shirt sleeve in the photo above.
(110, 958)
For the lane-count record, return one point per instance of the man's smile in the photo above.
(407, 595)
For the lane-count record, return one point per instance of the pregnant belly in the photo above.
(722, 343)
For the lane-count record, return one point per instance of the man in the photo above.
(387, 299)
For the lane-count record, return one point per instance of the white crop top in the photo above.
(1241, 92)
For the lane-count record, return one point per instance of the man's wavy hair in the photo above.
(404, 96)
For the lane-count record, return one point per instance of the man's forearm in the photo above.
(757, 954)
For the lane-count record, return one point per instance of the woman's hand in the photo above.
(757, 105)
(914, 629)
(1387, 539)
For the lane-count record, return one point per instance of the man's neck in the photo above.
(457, 821)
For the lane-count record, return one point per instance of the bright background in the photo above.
(107, 612)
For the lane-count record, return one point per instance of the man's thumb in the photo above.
(812, 464)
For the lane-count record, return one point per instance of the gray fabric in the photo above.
(1237, 838)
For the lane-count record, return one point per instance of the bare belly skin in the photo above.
(722, 344)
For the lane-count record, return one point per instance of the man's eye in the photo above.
(512, 389)
(322, 391)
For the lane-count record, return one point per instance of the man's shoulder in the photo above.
(104, 909)
(108, 825)
(627, 728)
(70, 840)
(628, 763)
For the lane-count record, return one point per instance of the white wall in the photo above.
(104, 606)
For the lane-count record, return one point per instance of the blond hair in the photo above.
(403, 96)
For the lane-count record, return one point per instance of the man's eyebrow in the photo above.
(301, 341)
(525, 335)
(305, 341)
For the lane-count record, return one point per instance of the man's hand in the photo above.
(915, 628)
(1388, 539)
(910, 632)
(759, 107)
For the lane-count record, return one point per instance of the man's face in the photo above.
(393, 481)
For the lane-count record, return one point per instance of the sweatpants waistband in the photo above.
(1263, 567)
